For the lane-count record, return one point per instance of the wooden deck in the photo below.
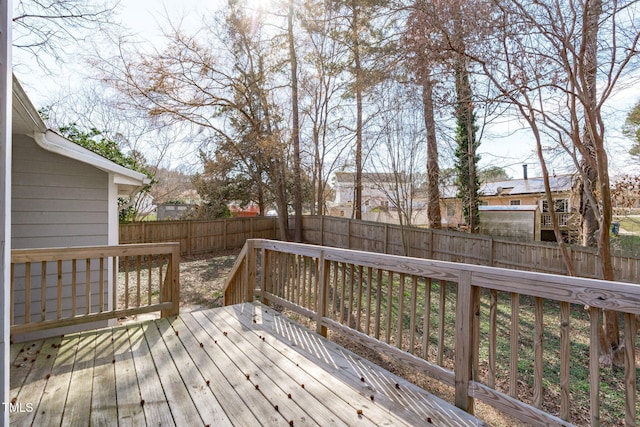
(241, 365)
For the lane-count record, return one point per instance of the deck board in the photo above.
(77, 408)
(130, 412)
(192, 370)
(103, 406)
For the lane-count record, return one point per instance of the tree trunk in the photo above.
(357, 70)
(434, 216)
(596, 220)
(295, 131)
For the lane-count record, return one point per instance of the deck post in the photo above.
(323, 295)
(266, 271)
(250, 271)
(464, 353)
(171, 287)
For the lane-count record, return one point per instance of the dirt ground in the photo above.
(202, 279)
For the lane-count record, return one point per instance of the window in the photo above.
(560, 205)
(451, 210)
(514, 202)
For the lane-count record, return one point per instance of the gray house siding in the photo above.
(56, 202)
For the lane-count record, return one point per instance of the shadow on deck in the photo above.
(240, 365)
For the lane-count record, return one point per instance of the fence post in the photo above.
(324, 295)
(491, 252)
(386, 238)
(321, 230)
(189, 237)
(224, 234)
(465, 343)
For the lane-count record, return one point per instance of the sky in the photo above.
(507, 143)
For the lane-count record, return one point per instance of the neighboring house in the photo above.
(380, 193)
(520, 192)
(62, 195)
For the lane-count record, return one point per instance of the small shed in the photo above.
(517, 221)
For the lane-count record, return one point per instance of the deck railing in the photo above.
(522, 342)
(61, 287)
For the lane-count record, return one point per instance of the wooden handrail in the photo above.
(384, 302)
(79, 285)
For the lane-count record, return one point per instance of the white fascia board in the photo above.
(58, 144)
(25, 108)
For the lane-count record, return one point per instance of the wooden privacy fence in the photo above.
(461, 247)
(61, 287)
(196, 237)
(519, 341)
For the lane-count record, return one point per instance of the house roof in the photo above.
(513, 187)
(557, 184)
(27, 121)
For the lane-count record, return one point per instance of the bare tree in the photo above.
(323, 100)
(559, 77)
(224, 88)
(45, 27)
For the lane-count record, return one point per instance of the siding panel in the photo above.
(51, 196)
(56, 202)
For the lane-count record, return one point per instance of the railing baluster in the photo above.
(12, 297)
(413, 315)
(343, 288)
(441, 320)
(316, 285)
(138, 280)
(368, 318)
(426, 319)
(149, 273)
(59, 291)
(359, 299)
(513, 347)
(493, 341)
(387, 332)
(335, 289)
(74, 271)
(538, 344)
(101, 285)
(630, 334)
(565, 334)
(27, 293)
(43, 292)
(88, 285)
(378, 303)
(351, 294)
(400, 311)
(594, 367)
(302, 279)
(126, 280)
(324, 267)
